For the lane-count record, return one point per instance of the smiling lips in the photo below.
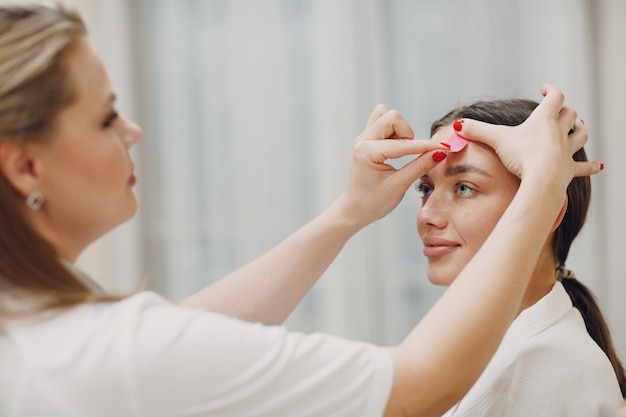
(132, 180)
(436, 246)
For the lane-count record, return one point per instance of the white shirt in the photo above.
(143, 356)
(546, 365)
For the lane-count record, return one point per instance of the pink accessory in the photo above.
(457, 143)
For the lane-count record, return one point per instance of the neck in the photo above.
(541, 281)
(66, 244)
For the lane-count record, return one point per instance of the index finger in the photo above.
(390, 125)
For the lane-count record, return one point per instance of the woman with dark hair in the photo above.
(69, 349)
(557, 358)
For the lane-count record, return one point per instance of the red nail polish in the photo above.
(439, 156)
(601, 166)
(447, 145)
(458, 125)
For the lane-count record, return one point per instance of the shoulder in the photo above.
(555, 334)
(243, 366)
(549, 355)
(235, 366)
(563, 362)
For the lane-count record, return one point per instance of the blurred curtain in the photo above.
(250, 109)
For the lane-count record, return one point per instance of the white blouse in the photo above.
(546, 365)
(146, 357)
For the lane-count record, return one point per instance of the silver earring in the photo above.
(35, 200)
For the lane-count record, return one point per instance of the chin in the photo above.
(131, 212)
(439, 277)
(126, 214)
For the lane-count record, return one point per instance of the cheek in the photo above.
(478, 233)
(104, 163)
(482, 224)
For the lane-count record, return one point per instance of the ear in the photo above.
(559, 218)
(18, 166)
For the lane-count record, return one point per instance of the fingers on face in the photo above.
(379, 151)
(416, 168)
(486, 133)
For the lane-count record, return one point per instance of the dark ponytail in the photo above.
(584, 300)
(514, 112)
(578, 197)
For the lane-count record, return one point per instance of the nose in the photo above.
(433, 212)
(131, 134)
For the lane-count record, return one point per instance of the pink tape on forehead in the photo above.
(457, 143)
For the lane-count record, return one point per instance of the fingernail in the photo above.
(601, 164)
(439, 156)
(458, 125)
(447, 145)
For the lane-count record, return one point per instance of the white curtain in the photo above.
(250, 108)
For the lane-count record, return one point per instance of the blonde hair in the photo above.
(34, 88)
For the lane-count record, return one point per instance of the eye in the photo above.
(109, 119)
(423, 189)
(464, 190)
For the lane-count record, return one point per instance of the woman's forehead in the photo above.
(475, 154)
(87, 72)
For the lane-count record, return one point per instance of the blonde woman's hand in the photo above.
(541, 145)
(374, 187)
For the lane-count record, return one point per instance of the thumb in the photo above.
(482, 132)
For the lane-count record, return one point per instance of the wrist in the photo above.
(544, 190)
(348, 215)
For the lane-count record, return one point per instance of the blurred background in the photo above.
(250, 109)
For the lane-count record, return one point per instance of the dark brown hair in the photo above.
(34, 88)
(514, 112)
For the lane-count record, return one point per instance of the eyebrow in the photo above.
(464, 168)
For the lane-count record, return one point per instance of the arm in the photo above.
(447, 351)
(269, 288)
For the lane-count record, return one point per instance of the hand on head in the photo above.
(544, 146)
(374, 187)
